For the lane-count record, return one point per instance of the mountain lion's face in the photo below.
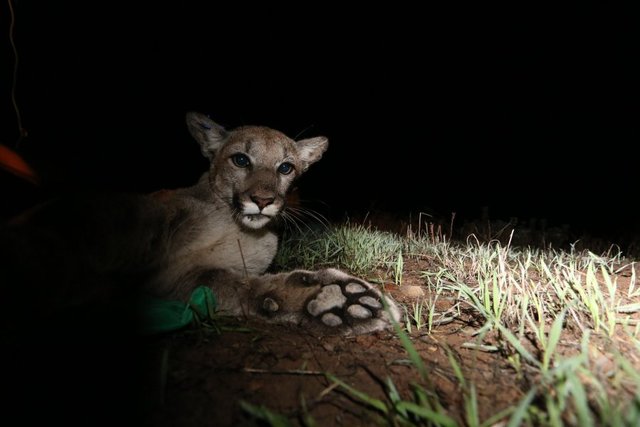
(253, 167)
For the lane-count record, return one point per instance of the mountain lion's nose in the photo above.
(262, 202)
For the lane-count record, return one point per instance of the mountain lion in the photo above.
(219, 233)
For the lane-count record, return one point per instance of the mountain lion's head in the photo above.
(253, 167)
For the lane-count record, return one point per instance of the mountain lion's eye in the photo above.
(240, 160)
(285, 168)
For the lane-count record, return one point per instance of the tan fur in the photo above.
(218, 233)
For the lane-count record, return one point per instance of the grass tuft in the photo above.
(557, 318)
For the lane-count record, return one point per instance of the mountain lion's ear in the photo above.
(208, 133)
(310, 150)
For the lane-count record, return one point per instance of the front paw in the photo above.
(345, 303)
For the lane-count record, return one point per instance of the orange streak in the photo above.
(13, 162)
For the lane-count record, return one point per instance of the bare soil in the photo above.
(280, 368)
(86, 367)
(208, 374)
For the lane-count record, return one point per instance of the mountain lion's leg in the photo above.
(327, 300)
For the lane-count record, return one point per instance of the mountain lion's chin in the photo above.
(254, 221)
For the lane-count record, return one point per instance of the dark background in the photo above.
(532, 113)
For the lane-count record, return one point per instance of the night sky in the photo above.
(533, 113)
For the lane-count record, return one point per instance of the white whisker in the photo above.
(303, 218)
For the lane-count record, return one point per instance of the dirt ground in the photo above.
(279, 367)
(87, 368)
(206, 375)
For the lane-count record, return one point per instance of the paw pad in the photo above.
(354, 288)
(370, 301)
(359, 312)
(329, 297)
(345, 302)
(331, 319)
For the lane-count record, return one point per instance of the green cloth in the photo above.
(160, 315)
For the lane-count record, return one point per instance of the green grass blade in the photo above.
(306, 418)
(392, 391)
(580, 400)
(554, 337)
(408, 346)
(373, 402)
(394, 397)
(261, 413)
(456, 368)
(518, 345)
(520, 412)
(471, 406)
(494, 419)
(428, 414)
